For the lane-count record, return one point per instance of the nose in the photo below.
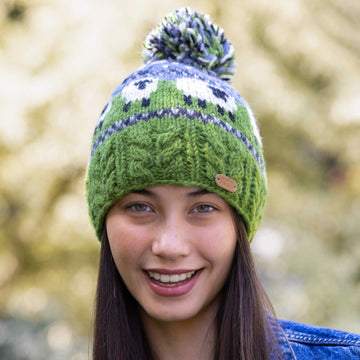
(171, 240)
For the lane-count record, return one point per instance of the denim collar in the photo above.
(284, 350)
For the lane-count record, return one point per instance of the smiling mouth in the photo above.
(170, 279)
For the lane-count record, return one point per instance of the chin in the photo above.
(170, 315)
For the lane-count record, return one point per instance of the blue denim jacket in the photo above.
(303, 342)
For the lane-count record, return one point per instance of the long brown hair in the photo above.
(243, 327)
(243, 322)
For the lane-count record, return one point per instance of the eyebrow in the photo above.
(143, 192)
(198, 192)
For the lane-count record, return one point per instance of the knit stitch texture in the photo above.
(173, 122)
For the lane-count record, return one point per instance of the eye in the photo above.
(203, 208)
(139, 207)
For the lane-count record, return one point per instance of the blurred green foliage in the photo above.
(297, 66)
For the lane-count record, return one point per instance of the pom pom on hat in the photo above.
(190, 38)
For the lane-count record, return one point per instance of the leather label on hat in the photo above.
(225, 182)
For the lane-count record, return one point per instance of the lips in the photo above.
(172, 283)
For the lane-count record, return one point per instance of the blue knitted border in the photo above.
(172, 70)
(178, 113)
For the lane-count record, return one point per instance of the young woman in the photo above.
(176, 186)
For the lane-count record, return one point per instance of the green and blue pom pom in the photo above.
(190, 38)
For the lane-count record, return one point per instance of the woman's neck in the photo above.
(192, 339)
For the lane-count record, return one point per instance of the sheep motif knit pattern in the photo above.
(177, 120)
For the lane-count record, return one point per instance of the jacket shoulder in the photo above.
(314, 342)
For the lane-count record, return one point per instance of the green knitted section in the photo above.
(173, 151)
(167, 96)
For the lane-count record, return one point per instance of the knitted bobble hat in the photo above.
(177, 120)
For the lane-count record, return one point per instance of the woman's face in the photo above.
(173, 247)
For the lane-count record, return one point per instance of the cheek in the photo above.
(218, 242)
(125, 244)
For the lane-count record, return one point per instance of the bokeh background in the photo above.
(298, 65)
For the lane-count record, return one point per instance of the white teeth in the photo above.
(156, 276)
(172, 278)
(164, 278)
